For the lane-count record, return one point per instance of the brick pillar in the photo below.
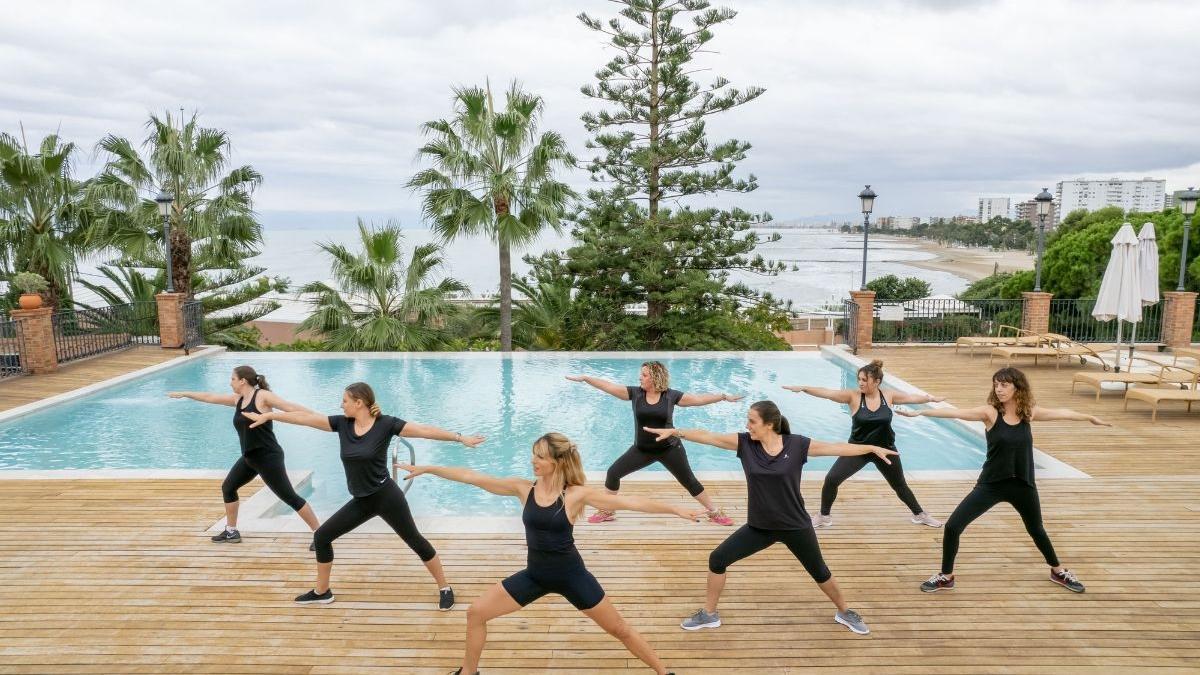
(37, 339)
(1035, 311)
(866, 316)
(1179, 310)
(170, 319)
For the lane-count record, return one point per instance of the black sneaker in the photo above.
(458, 671)
(1067, 580)
(313, 598)
(227, 537)
(312, 546)
(446, 599)
(938, 582)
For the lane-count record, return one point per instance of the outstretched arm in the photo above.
(1066, 414)
(983, 413)
(205, 397)
(304, 419)
(604, 501)
(603, 385)
(845, 396)
(723, 441)
(906, 397)
(705, 399)
(428, 431)
(824, 448)
(280, 403)
(506, 487)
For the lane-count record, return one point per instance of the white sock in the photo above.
(230, 530)
(444, 588)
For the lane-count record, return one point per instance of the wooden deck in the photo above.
(21, 390)
(108, 576)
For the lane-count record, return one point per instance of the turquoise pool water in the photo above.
(512, 401)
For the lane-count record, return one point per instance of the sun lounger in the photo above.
(1176, 376)
(1186, 353)
(1187, 392)
(1056, 346)
(1006, 336)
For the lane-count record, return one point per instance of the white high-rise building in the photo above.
(993, 207)
(1146, 195)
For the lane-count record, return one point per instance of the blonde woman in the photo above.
(365, 435)
(654, 406)
(551, 504)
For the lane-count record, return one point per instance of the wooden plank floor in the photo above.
(19, 391)
(106, 576)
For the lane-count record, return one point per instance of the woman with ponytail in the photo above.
(365, 434)
(872, 426)
(772, 459)
(554, 564)
(261, 453)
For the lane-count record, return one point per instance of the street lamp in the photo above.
(868, 204)
(1187, 204)
(1044, 201)
(165, 200)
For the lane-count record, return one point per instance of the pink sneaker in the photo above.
(719, 517)
(601, 516)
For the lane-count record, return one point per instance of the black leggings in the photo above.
(268, 465)
(387, 502)
(845, 467)
(635, 459)
(750, 540)
(1023, 497)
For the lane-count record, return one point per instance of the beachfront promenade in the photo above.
(105, 576)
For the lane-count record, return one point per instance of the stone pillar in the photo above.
(38, 354)
(866, 316)
(1035, 311)
(1179, 311)
(170, 319)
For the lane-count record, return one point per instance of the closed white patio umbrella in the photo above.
(1147, 251)
(1120, 293)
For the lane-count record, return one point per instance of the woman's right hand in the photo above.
(177, 394)
(884, 453)
(577, 378)
(660, 434)
(798, 388)
(259, 419)
(413, 470)
(689, 514)
(907, 412)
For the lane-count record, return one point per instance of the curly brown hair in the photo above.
(1023, 394)
(659, 377)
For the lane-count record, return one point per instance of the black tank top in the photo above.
(260, 438)
(873, 428)
(1009, 452)
(549, 534)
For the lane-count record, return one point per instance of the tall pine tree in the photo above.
(644, 237)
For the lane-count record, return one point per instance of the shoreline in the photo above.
(970, 263)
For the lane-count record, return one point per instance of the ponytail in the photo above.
(255, 379)
(770, 415)
(361, 391)
(565, 455)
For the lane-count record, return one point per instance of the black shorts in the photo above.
(575, 583)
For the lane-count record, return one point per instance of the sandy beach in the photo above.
(971, 264)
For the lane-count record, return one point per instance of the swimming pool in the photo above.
(511, 400)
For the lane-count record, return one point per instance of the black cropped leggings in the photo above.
(268, 465)
(1023, 497)
(387, 502)
(747, 541)
(845, 467)
(636, 459)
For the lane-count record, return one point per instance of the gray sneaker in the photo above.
(923, 518)
(702, 619)
(819, 521)
(850, 619)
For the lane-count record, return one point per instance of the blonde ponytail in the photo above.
(565, 454)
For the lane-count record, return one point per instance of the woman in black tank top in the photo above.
(550, 506)
(870, 423)
(262, 455)
(654, 405)
(1007, 473)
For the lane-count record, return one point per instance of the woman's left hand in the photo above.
(660, 434)
(1099, 422)
(884, 453)
(471, 441)
(258, 418)
(689, 514)
(732, 398)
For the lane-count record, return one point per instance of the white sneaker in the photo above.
(822, 521)
(923, 518)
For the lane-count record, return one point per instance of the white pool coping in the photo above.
(253, 518)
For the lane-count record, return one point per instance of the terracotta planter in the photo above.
(30, 301)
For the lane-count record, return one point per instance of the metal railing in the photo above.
(1073, 318)
(412, 459)
(193, 324)
(11, 348)
(942, 320)
(80, 333)
(848, 328)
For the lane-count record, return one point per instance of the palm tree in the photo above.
(44, 223)
(380, 302)
(542, 316)
(212, 217)
(493, 174)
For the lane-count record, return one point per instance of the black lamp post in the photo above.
(1044, 201)
(165, 200)
(868, 204)
(1187, 204)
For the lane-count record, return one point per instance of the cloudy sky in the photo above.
(933, 102)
